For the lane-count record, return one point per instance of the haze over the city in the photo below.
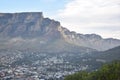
(83, 16)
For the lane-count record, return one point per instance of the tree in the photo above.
(106, 72)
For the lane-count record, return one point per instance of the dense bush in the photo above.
(107, 72)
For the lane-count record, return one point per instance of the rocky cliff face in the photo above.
(27, 25)
(90, 40)
(32, 30)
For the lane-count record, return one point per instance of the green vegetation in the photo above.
(107, 72)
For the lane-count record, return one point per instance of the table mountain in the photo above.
(30, 30)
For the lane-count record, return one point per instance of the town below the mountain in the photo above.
(36, 48)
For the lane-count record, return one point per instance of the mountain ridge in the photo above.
(32, 25)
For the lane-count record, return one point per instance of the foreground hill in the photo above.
(107, 72)
(30, 30)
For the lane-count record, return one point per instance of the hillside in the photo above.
(106, 72)
(110, 55)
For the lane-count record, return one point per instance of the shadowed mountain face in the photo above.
(109, 55)
(32, 31)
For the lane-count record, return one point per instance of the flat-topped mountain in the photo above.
(26, 25)
(30, 30)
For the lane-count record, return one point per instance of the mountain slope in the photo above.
(89, 40)
(109, 55)
(30, 30)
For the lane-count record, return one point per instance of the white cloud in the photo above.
(90, 16)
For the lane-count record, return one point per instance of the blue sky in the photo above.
(49, 7)
(83, 16)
